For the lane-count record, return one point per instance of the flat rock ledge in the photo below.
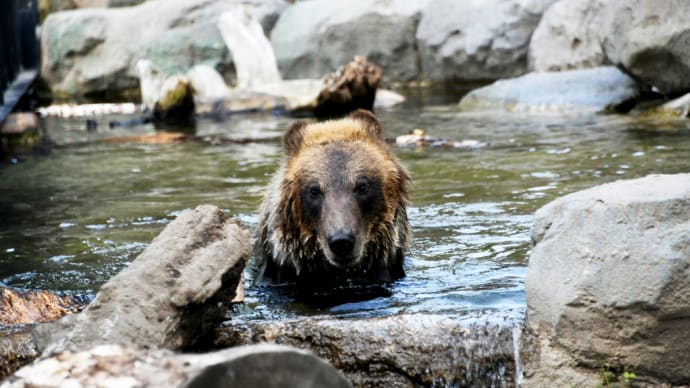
(116, 366)
(171, 296)
(397, 351)
(599, 89)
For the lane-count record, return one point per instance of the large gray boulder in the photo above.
(645, 37)
(570, 35)
(170, 296)
(608, 283)
(313, 38)
(269, 366)
(93, 52)
(437, 40)
(587, 90)
(476, 40)
(396, 351)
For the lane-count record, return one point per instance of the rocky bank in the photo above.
(645, 39)
(85, 53)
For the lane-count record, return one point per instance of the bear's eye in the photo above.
(362, 188)
(315, 192)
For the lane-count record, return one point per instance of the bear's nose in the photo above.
(341, 244)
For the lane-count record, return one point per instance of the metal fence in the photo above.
(18, 42)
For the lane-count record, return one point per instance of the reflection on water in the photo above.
(71, 219)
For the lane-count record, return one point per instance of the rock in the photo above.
(18, 133)
(351, 87)
(313, 38)
(587, 90)
(608, 283)
(19, 124)
(170, 296)
(299, 95)
(46, 7)
(259, 82)
(644, 37)
(476, 40)
(651, 43)
(26, 306)
(16, 348)
(403, 350)
(207, 82)
(175, 101)
(86, 52)
(678, 107)
(570, 36)
(19, 311)
(241, 102)
(255, 63)
(116, 366)
(387, 98)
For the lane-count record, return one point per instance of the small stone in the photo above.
(19, 123)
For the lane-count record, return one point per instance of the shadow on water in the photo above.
(71, 219)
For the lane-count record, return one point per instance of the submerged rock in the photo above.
(613, 262)
(588, 90)
(647, 38)
(270, 366)
(404, 350)
(170, 296)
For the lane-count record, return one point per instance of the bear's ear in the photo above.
(370, 122)
(292, 140)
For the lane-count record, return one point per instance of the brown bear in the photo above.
(335, 212)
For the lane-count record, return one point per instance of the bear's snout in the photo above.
(342, 245)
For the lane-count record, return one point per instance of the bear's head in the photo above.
(343, 195)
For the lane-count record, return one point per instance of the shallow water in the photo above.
(73, 217)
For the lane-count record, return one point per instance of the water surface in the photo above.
(73, 217)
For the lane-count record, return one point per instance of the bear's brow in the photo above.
(328, 132)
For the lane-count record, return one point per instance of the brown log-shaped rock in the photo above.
(351, 87)
(170, 296)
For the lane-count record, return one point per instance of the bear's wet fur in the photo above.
(335, 212)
